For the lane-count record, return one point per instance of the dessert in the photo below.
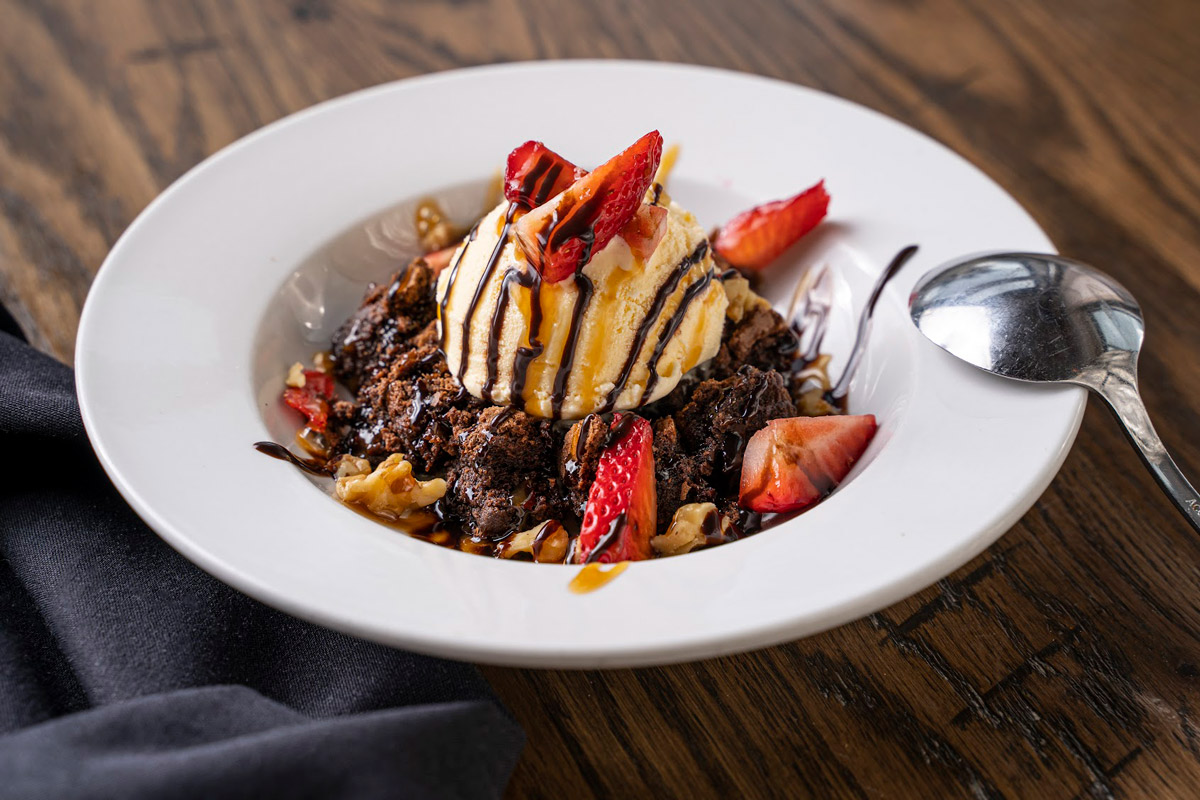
(585, 377)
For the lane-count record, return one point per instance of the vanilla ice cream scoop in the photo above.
(616, 335)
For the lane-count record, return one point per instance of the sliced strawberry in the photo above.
(755, 238)
(535, 173)
(438, 260)
(645, 230)
(560, 236)
(312, 399)
(621, 510)
(793, 463)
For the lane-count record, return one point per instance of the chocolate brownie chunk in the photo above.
(578, 458)
(676, 475)
(722, 416)
(379, 332)
(503, 481)
(760, 339)
(412, 406)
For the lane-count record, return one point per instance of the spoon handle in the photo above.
(1120, 391)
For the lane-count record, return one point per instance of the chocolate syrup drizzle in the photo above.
(693, 291)
(583, 284)
(549, 528)
(450, 282)
(665, 290)
(606, 541)
(488, 269)
(280, 452)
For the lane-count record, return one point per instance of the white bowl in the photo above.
(251, 259)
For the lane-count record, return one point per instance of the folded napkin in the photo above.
(126, 672)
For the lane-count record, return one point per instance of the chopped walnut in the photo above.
(390, 491)
(742, 299)
(694, 525)
(323, 361)
(351, 465)
(295, 376)
(551, 549)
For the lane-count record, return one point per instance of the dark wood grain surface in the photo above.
(1064, 662)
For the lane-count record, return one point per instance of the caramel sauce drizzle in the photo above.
(665, 290)
(488, 269)
(559, 394)
(594, 576)
(664, 337)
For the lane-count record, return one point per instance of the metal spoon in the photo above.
(1048, 319)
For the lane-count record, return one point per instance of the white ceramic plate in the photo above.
(249, 261)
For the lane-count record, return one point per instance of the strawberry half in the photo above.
(312, 399)
(793, 463)
(535, 173)
(560, 236)
(621, 510)
(755, 238)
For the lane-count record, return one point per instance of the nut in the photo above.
(323, 361)
(551, 550)
(742, 299)
(687, 530)
(390, 491)
(295, 376)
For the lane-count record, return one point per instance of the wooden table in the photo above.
(1065, 661)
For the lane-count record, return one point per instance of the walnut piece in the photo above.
(295, 376)
(742, 299)
(687, 530)
(390, 491)
(551, 550)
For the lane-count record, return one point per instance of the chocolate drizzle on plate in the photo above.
(280, 452)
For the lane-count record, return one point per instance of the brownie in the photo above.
(722, 416)
(508, 471)
(413, 407)
(760, 339)
(503, 479)
(379, 332)
(578, 458)
(676, 474)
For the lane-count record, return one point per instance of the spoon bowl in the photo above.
(1048, 319)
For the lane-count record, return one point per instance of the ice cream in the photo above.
(617, 334)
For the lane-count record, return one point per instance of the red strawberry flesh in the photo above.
(560, 236)
(792, 463)
(645, 230)
(621, 510)
(535, 173)
(755, 238)
(312, 399)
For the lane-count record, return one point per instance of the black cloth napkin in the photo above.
(126, 672)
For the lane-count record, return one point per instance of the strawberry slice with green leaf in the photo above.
(619, 518)
(755, 238)
(792, 463)
(560, 236)
(535, 173)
